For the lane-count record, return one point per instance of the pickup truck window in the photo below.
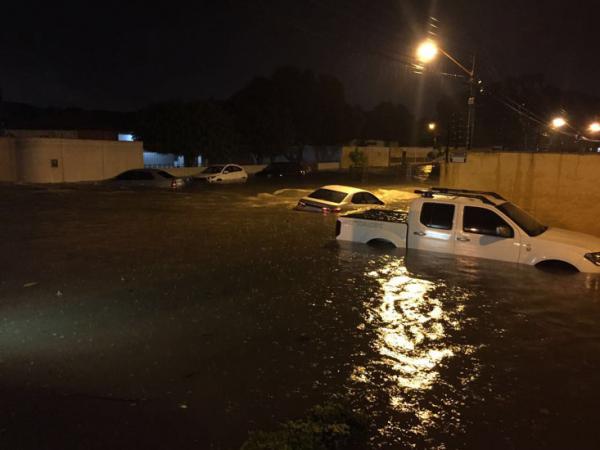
(437, 215)
(483, 221)
(528, 223)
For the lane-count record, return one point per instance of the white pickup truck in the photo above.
(473, 223)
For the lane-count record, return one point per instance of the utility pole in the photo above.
(471, 107)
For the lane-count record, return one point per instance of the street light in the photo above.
(432, 126)
(558, 123)
(426, 52)
(594, 127)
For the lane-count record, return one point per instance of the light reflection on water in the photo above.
(410, 323)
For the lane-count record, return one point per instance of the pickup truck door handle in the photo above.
(463, 239)
(419, 233)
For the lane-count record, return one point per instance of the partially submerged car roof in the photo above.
(345, 189)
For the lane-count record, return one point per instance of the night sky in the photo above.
(124, 55)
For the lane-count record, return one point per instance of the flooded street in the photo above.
(133, 319)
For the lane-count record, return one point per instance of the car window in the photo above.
(129, 175)
(328, 195)
(141, 175)
(358, 198)
(365, 198)
(213, 169)
(483, 221)
(371, 199)
(234, 169)
(164, 174)
(437, 215)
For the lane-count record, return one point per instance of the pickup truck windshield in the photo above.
(528, 223)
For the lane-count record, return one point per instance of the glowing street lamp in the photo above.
(558, 123)
(427, 51)
(594, 127)
(432, 126)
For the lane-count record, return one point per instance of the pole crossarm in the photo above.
(471, 73)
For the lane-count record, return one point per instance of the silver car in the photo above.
(336, 199)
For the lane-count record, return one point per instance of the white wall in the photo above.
(29, 159)
(378, 156)
(561, 189)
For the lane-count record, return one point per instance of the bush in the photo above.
(358, 158)
(331, 426)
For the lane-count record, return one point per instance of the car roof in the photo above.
(340, 188)
(144, 170)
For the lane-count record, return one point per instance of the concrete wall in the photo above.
(30, 159)
(378, 156)
(560, 189)
(328, 166)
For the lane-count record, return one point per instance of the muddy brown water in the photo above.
(160, 320)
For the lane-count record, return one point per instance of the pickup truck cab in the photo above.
(473, 223)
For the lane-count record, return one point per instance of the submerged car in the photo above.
(154, 178)
(223, 173)
(283, 169)
(336, 199)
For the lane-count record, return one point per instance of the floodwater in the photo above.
(185, 320)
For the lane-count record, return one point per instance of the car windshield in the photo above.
(528, 223)
(328, 195)
(213, 169)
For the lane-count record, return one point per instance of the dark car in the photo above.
(147, 178)
(283, 169)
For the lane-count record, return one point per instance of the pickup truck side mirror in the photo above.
(504, 232)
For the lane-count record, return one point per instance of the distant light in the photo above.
(427, 51)
(432, 126)
(594, 127)
(558, 122)
(125, 137)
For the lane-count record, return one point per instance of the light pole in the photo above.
(432, 127)
(427, 52)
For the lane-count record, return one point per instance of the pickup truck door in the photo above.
(431, 227)
(487, 233)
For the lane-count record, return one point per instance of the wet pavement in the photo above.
(159, 320)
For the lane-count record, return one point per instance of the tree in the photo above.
(389, 122)
(264, 124)
(188, 128)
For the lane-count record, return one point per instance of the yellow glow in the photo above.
(427, 51)
(431, 126)
(558, 122)
(594, 127)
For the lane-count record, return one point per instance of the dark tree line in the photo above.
(281, 114)
(270, 116)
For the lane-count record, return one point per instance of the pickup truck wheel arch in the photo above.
(379, 242)
(556, 264)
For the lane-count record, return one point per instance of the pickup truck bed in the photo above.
(374, 224)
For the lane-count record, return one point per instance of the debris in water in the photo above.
(30, 284)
